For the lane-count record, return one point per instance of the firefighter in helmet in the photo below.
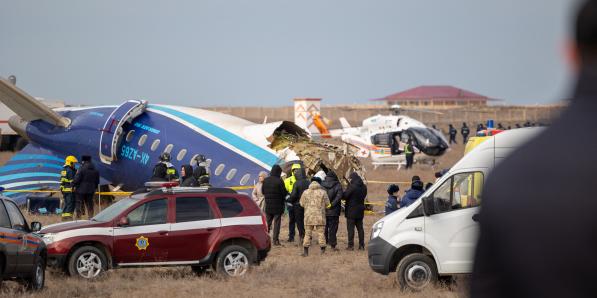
(67, 175)
(164, 170)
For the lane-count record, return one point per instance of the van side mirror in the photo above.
(35, 226)
(428, 206)
(123, 222)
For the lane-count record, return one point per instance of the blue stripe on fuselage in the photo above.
(239, 143)
(35, 156)
(14, 167)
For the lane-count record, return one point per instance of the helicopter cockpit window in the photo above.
(424, 136)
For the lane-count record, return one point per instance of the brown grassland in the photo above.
(284, 272)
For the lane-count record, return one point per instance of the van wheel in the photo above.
(36, 281)
(416, 271)
(87, 262)
(233, 261)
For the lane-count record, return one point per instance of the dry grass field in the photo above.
(284, 272)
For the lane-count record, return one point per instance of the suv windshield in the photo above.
(117, 208)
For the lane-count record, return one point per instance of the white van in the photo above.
(436, 235)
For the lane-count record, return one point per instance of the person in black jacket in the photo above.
(300, 185)
(355, 209)
(332, 215)
(86, 182)
(538, 225)
(186, 177)
(275, 193)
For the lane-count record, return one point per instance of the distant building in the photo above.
(436, 97)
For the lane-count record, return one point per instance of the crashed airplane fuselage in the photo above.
(125, 142)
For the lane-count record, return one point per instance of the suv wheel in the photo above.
(233, 261)
(87, 262)
(416, 271)
(36, 281)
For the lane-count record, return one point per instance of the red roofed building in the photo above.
(435, 97)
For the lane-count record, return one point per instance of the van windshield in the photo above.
(115, 209)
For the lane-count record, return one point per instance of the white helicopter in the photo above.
(383, 137)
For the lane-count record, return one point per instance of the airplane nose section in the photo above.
(19, 126)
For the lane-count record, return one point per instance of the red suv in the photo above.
(206, 228)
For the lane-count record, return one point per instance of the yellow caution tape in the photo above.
(103, 193)
(375, 204)
(387, 182)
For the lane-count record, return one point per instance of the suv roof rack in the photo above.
(202, 189)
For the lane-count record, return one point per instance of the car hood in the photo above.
(71, 225)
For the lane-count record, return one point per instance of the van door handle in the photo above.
(163, 232)
(476, 217)
(210, 229)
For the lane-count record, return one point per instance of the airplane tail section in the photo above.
(33, 168)
(27, 107)
(344, 123)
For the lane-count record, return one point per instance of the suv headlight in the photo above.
(376, 229)
(48, 238)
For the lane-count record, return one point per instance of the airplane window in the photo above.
(220, 169)
(155, 144)
(193, 162)
(169, 148)
(129, 136)
(181, 154)
(230, 174)
(142, 140)
(245, 179)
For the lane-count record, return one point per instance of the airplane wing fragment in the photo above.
(27, 107)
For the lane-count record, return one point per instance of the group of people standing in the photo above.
(189, 177)
(78, 187)
(314, 205)
(417, 188)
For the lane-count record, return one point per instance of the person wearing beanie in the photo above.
(392, 203)
(411, 195)
(86, 182)
(274, 192)
(354, 209)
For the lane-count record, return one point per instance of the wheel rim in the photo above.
(236, 263)
(418, 275)
(39, 276)
(89, 265)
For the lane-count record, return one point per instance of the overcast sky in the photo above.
(215, 53)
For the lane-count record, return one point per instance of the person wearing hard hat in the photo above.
(289, 184)
(164, 170)
(67, 175)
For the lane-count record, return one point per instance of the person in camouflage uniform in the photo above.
(314, 200)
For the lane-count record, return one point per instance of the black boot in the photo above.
(277, 243)
(334, 248)
(350, 247)
(322, 249)
(361, 247)
(305, 252)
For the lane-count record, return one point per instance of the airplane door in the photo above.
(111, 133)
(452, 232)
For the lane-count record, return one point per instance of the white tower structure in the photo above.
(304, 109)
